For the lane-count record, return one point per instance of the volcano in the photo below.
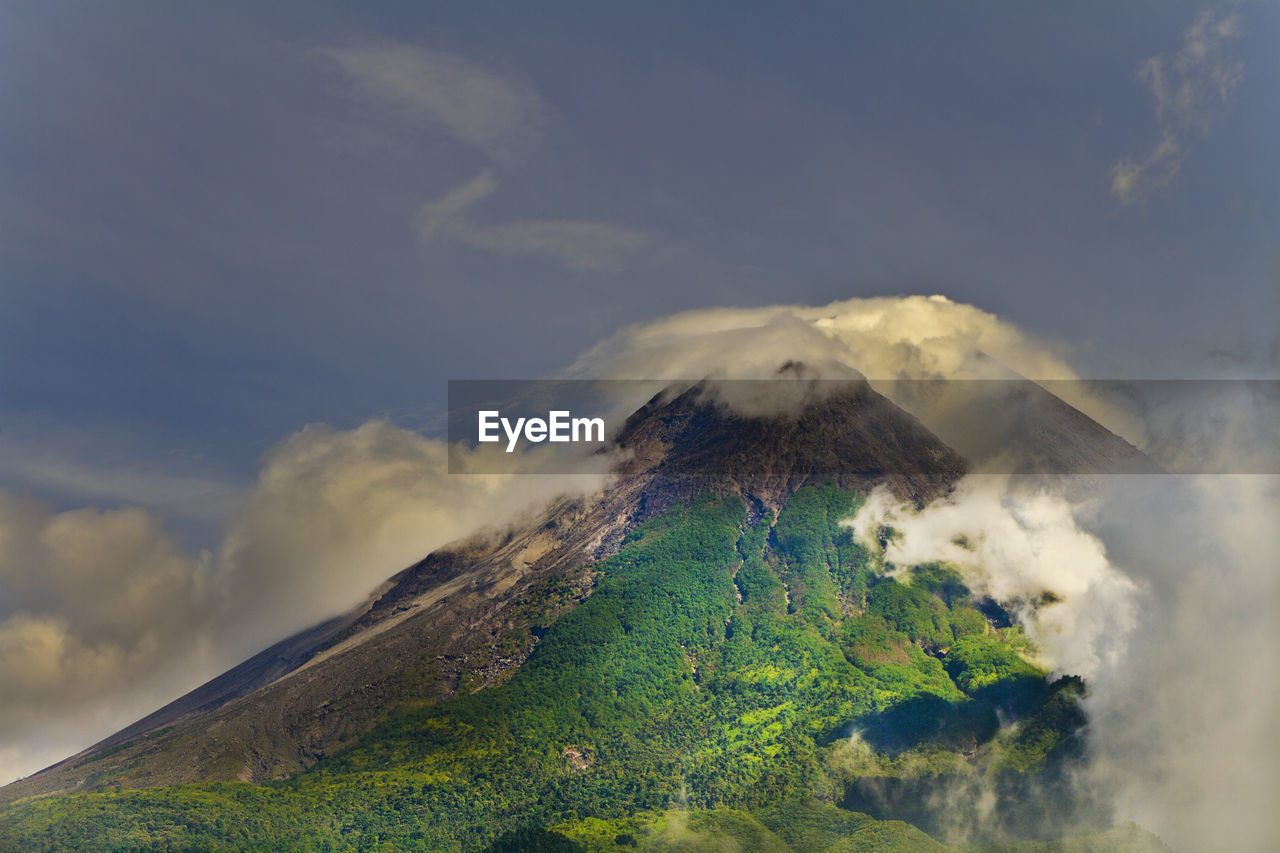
(698, 654)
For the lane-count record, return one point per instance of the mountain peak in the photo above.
(716, 436)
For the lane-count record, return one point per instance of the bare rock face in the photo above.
(848, 434)
(467, 616)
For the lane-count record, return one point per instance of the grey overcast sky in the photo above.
(220, 222)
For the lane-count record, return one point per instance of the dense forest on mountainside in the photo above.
(725, 679)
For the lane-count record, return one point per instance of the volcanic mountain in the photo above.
(702, 633)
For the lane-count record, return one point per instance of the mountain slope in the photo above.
(705, 634)
(469, 613)
(718, 662)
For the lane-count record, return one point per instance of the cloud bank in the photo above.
(104, 616)
(1165, 597)
(1183, 723)
(892, 337)
(100, 609)
(336, 512)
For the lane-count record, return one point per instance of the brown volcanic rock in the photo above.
(469, 614)
(848, 434)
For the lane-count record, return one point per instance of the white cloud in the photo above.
(1017, 545)
(495, 113)
(891, 337)
(1183, 724)
(884, 338)
(98, 611)
(336, 512)
(1191, 89)
(1169, 606)
(577, 244)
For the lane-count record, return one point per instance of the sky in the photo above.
(222, 223)
(219, 223)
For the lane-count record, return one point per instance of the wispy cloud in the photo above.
(441, 216)
(1191, 89)
(495, 113)
(574, 243)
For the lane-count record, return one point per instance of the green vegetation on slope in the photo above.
(717, 666)
(802, 827)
